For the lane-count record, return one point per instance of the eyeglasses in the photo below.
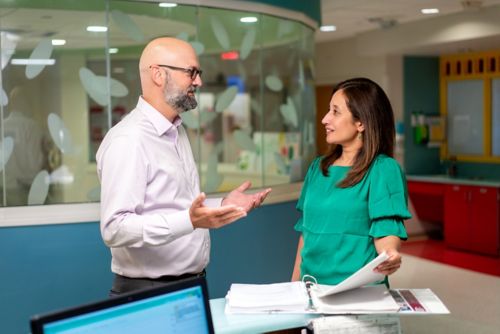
(193, 72)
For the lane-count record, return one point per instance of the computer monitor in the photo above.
(180, 307)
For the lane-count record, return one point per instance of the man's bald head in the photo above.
(166, 79)
(166, 50)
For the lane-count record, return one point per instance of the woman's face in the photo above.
(341, 128)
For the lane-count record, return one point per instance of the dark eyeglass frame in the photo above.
(193, 72)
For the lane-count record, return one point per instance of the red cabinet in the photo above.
(427, 199)
(472, 218)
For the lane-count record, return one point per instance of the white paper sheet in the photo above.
(362, 277)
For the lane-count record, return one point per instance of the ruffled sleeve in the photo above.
(300, 203)
(388, 199)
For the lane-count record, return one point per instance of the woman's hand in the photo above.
(391, 265)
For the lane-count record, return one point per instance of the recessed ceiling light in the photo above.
(113, 50)
(24, 61)
(430, 11)
(167, 4)
(97, 28)
(58, 41)
(328, 28)
(248, 19)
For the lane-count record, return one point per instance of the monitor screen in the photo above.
(180, 307)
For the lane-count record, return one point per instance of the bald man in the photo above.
(153, 216)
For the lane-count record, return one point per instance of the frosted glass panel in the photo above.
(465, 117)
(495, 121)
(256, 99)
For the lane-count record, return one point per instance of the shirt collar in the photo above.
(161, 124)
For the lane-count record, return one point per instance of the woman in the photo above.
(354, 199)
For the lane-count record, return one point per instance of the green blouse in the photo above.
(338, 224)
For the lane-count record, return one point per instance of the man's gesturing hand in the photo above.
(205, 217)
(246, 201)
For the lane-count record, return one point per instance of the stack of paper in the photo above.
(290, 297)
(367, 299)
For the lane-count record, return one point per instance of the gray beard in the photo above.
(182, 103)
(178, 100)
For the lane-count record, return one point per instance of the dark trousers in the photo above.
(122, 284)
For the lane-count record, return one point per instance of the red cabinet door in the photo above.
(456, 216)
(484, 220)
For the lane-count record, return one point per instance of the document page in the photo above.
(277, 297)
(363, 276)
(418, 301)
(367, 299)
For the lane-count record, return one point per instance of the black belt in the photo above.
(167, 278)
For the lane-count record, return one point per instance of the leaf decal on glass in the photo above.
(214, 179)
(39, 188)
(4, 99)
(118, 89)
(9, 43)
(302, 80)
(96, 86)
(6, 147)
(225, 98)
(190, 119)
(289, 112)
(312, 69)
(198, 47)
(127, 25)
(220, 33)
(247, 44)
(60, 134)
(244, 141)
(255, 105)
(274, 83)
(183, 36)
(207, 117)
(42, 51)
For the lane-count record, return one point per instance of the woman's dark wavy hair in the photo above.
(369, 105)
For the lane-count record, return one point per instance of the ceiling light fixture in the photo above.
(97, 28)
(249, 19)
(113, 50)
(58, 41)
(328, 28)
(430, 11)
(22, 61)
(167, 4)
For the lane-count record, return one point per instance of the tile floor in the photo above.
(468, 284)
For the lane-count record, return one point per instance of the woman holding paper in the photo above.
(354, 199)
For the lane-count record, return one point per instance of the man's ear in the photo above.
(157, 76)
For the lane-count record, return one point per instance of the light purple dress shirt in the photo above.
(148, 182)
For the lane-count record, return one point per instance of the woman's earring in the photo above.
(360, 135)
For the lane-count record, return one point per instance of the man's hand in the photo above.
(246, 201)
(205, 217)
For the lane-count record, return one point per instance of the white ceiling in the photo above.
(352, 17)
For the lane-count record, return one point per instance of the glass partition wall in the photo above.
(70, 72)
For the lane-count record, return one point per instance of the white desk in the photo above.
(253, 323)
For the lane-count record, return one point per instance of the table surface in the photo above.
(253, 323)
